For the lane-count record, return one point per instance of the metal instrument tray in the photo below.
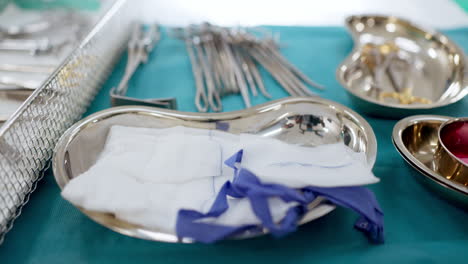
(28, 137)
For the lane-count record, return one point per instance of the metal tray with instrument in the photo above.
(28, 137)
(425, 73)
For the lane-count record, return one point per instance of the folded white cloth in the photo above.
(331, 165)
(146, 175)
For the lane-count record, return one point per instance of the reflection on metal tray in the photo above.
(416, 139)
(298, 120)
(397, 69)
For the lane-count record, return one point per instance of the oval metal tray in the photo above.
(416, 138)
(308, 121)
(440, 63)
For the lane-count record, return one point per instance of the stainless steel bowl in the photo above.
(307, 121)
(448, 164)
(435, 72)
(416, 139)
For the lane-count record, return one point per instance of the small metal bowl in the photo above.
(417, 139)
(435, 74)
(307, 121)
(448, 164)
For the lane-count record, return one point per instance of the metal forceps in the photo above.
(404, 94)
(201, 99)
(139, 46)
(46, 22)
(27, 37)
(379, 60)
(226, 60)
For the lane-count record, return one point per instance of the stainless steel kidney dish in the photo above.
(308, 121)
(397, 68)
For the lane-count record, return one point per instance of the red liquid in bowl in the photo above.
(455, 138)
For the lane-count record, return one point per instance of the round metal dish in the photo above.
(441, 64)
(307, 121)
(416, 139)
(449, 165)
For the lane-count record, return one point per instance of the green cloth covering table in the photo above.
(420, 227)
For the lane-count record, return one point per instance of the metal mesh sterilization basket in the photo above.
(28, 138)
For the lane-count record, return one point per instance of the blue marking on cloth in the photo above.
(247, 185)
(223, 126)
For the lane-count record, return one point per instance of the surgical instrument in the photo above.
(225, 61)
(31, 68)
(139, 46)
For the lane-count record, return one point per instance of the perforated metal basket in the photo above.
(27, 139)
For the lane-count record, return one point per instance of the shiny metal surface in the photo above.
(416, 139)
(11, 100)
(31, 46)
(19, 83)
(138, 49)
(45, 22)
(226, 61)
(28, 137)
(306, 121)
(429, 67)
(46, 69)
(446, 162)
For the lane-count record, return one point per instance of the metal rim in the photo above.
(448, 122)
(415, 163)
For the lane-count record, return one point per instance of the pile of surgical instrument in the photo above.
(35, 37)
(32, 45)
(387, 63)
(225, 61)
(44, 36)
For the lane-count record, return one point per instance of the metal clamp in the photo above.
(139, 46)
